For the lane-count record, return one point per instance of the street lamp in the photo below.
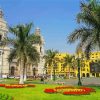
(79, 78)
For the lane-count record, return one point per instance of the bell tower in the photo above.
(4, 50)
(40, 49)
(3, 26)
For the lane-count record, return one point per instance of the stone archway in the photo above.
(34, 71)
(12, 71)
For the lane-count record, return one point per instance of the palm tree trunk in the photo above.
(21, 73)
(54, 77)
(51, 73)
(69, 72)
(46, 73)
(25, 73)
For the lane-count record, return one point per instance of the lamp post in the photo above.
(79, 78)
(78, 63)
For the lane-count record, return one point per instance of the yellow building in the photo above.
(87, 68)
(60, 69)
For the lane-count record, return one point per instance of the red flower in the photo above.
(64, 87)
(76, 93)
(2, 85)
(69, 90)
(88, 89)
(14, 86)
(49, 91)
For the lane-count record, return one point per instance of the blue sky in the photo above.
(55, 18)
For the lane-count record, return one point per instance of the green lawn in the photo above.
(38, 94)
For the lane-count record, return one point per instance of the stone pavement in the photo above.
(85, 81)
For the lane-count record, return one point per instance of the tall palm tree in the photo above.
(22, 50)
(69, 61)
(89, 32)
(50, 61)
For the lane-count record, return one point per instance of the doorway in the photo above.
(12, 73)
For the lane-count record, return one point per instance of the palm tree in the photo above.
(89, 32)
(50, 61)
(69, 61)
(22, 50)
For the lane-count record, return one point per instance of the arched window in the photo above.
(83, 75)
(87, 75)
(93, 74)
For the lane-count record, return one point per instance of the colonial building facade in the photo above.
(12, 69)
(88, 68)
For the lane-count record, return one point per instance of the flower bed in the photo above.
(88, 89)
(16, 85)
(64, 87)
(2, 85)
(76, 93)
(50, 90)
(70, 90)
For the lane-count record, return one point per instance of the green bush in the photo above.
(5, 97)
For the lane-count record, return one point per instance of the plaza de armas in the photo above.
(90, 67)
(24, 60)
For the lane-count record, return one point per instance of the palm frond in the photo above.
(50, 57)
(12, 55)
(35, 39)
(77, 34)
(89, 34)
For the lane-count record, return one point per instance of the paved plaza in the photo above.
(85, 81)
